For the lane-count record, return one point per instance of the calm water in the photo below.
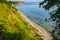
(36, 14)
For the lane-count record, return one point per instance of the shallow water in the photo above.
(36, 14)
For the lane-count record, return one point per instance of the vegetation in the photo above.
(55, 15)
(13, 26)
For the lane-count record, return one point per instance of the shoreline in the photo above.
(46, 35)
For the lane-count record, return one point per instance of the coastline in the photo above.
(46, 35)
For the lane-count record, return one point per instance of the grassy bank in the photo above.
(13, 26)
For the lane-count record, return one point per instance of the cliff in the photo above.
(13, 26)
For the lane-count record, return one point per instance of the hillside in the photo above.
(13, 26)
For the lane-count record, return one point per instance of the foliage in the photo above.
(55, 15)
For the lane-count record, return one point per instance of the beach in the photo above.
(46, 35)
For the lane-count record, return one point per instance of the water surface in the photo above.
(36, 14)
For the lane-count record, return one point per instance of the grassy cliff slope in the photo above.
(12, 24)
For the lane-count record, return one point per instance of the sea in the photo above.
(37, 14)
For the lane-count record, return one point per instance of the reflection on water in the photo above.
(36, 14)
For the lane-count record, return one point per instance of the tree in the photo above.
(55, 15)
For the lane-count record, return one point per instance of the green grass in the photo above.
(12, 25)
